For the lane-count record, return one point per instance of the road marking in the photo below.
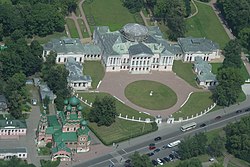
(124, 150)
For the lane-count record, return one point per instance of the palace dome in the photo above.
(73, 101)
(134, 32)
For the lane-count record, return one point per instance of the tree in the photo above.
(244, 36)
(216, 146)
(238, 138)
(232, 52)
(229, 88)
(138, 160)
(172, 14)
(188, 7)
(194, 162)
(46, 101)
(103, 111)
(236, 13)
(36, 49)
(133, 6)
(151, 3)
(193, 146)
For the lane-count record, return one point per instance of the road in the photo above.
(171, 133)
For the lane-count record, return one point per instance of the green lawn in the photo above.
(120, 107)
(107, 13)
(96, 70)
(138, 93)
(243, 70)
(198, 101)
(44, 40)
(184, 70)
(206, 24)
(83, 28)
(120, 130)
(72, 28)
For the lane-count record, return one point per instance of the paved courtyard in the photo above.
(116, 82)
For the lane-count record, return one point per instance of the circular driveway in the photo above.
(115, 83)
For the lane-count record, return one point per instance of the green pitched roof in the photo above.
(60, 146)
(53, 122)
(50, 130)
(62, 116)
(60, 136)
(73, 117)
(13, 123)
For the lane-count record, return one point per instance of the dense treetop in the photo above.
(34, 17)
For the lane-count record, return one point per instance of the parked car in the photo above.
(160, 162)
(248, 109)
(203, 125)
(218, 117)
(176, 154)
(167, 159)
(154, 162)
(238, 111)
(157, 138)
(151, 147)
(150, 154)
(157, 150)
(164, 147)
(171, 156)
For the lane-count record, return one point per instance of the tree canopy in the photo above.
(232, 53)
(56, 77)
(229, 88)
(133, 6)
(193, 146)
(238, 138)
(172, 14)
(138, 160)
(103, 111)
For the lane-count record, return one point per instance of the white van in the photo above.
(173, 144)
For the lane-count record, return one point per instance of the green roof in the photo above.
(53, 122)
(73, 101)
(49, 130)
(73, 117)
(60, 146)
(66, 102)
(62, 116)
(84, 131)
(60, 136)
(68, 108)
(13, 123)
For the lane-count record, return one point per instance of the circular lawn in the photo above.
(150, 95)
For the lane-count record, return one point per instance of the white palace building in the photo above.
(135, 48)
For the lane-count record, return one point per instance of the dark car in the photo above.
(128, 161)
(157, 150)
(167, 159)
(218, 117)
(157, 138)
(154, 162)
(150, 154)
(238, 111)
(176, 154)
(248, 109)
(171, 156)
(164, 147)
(203, 125)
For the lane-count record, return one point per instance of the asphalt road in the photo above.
(170, 134)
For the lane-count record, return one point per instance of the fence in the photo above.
(172, 120)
